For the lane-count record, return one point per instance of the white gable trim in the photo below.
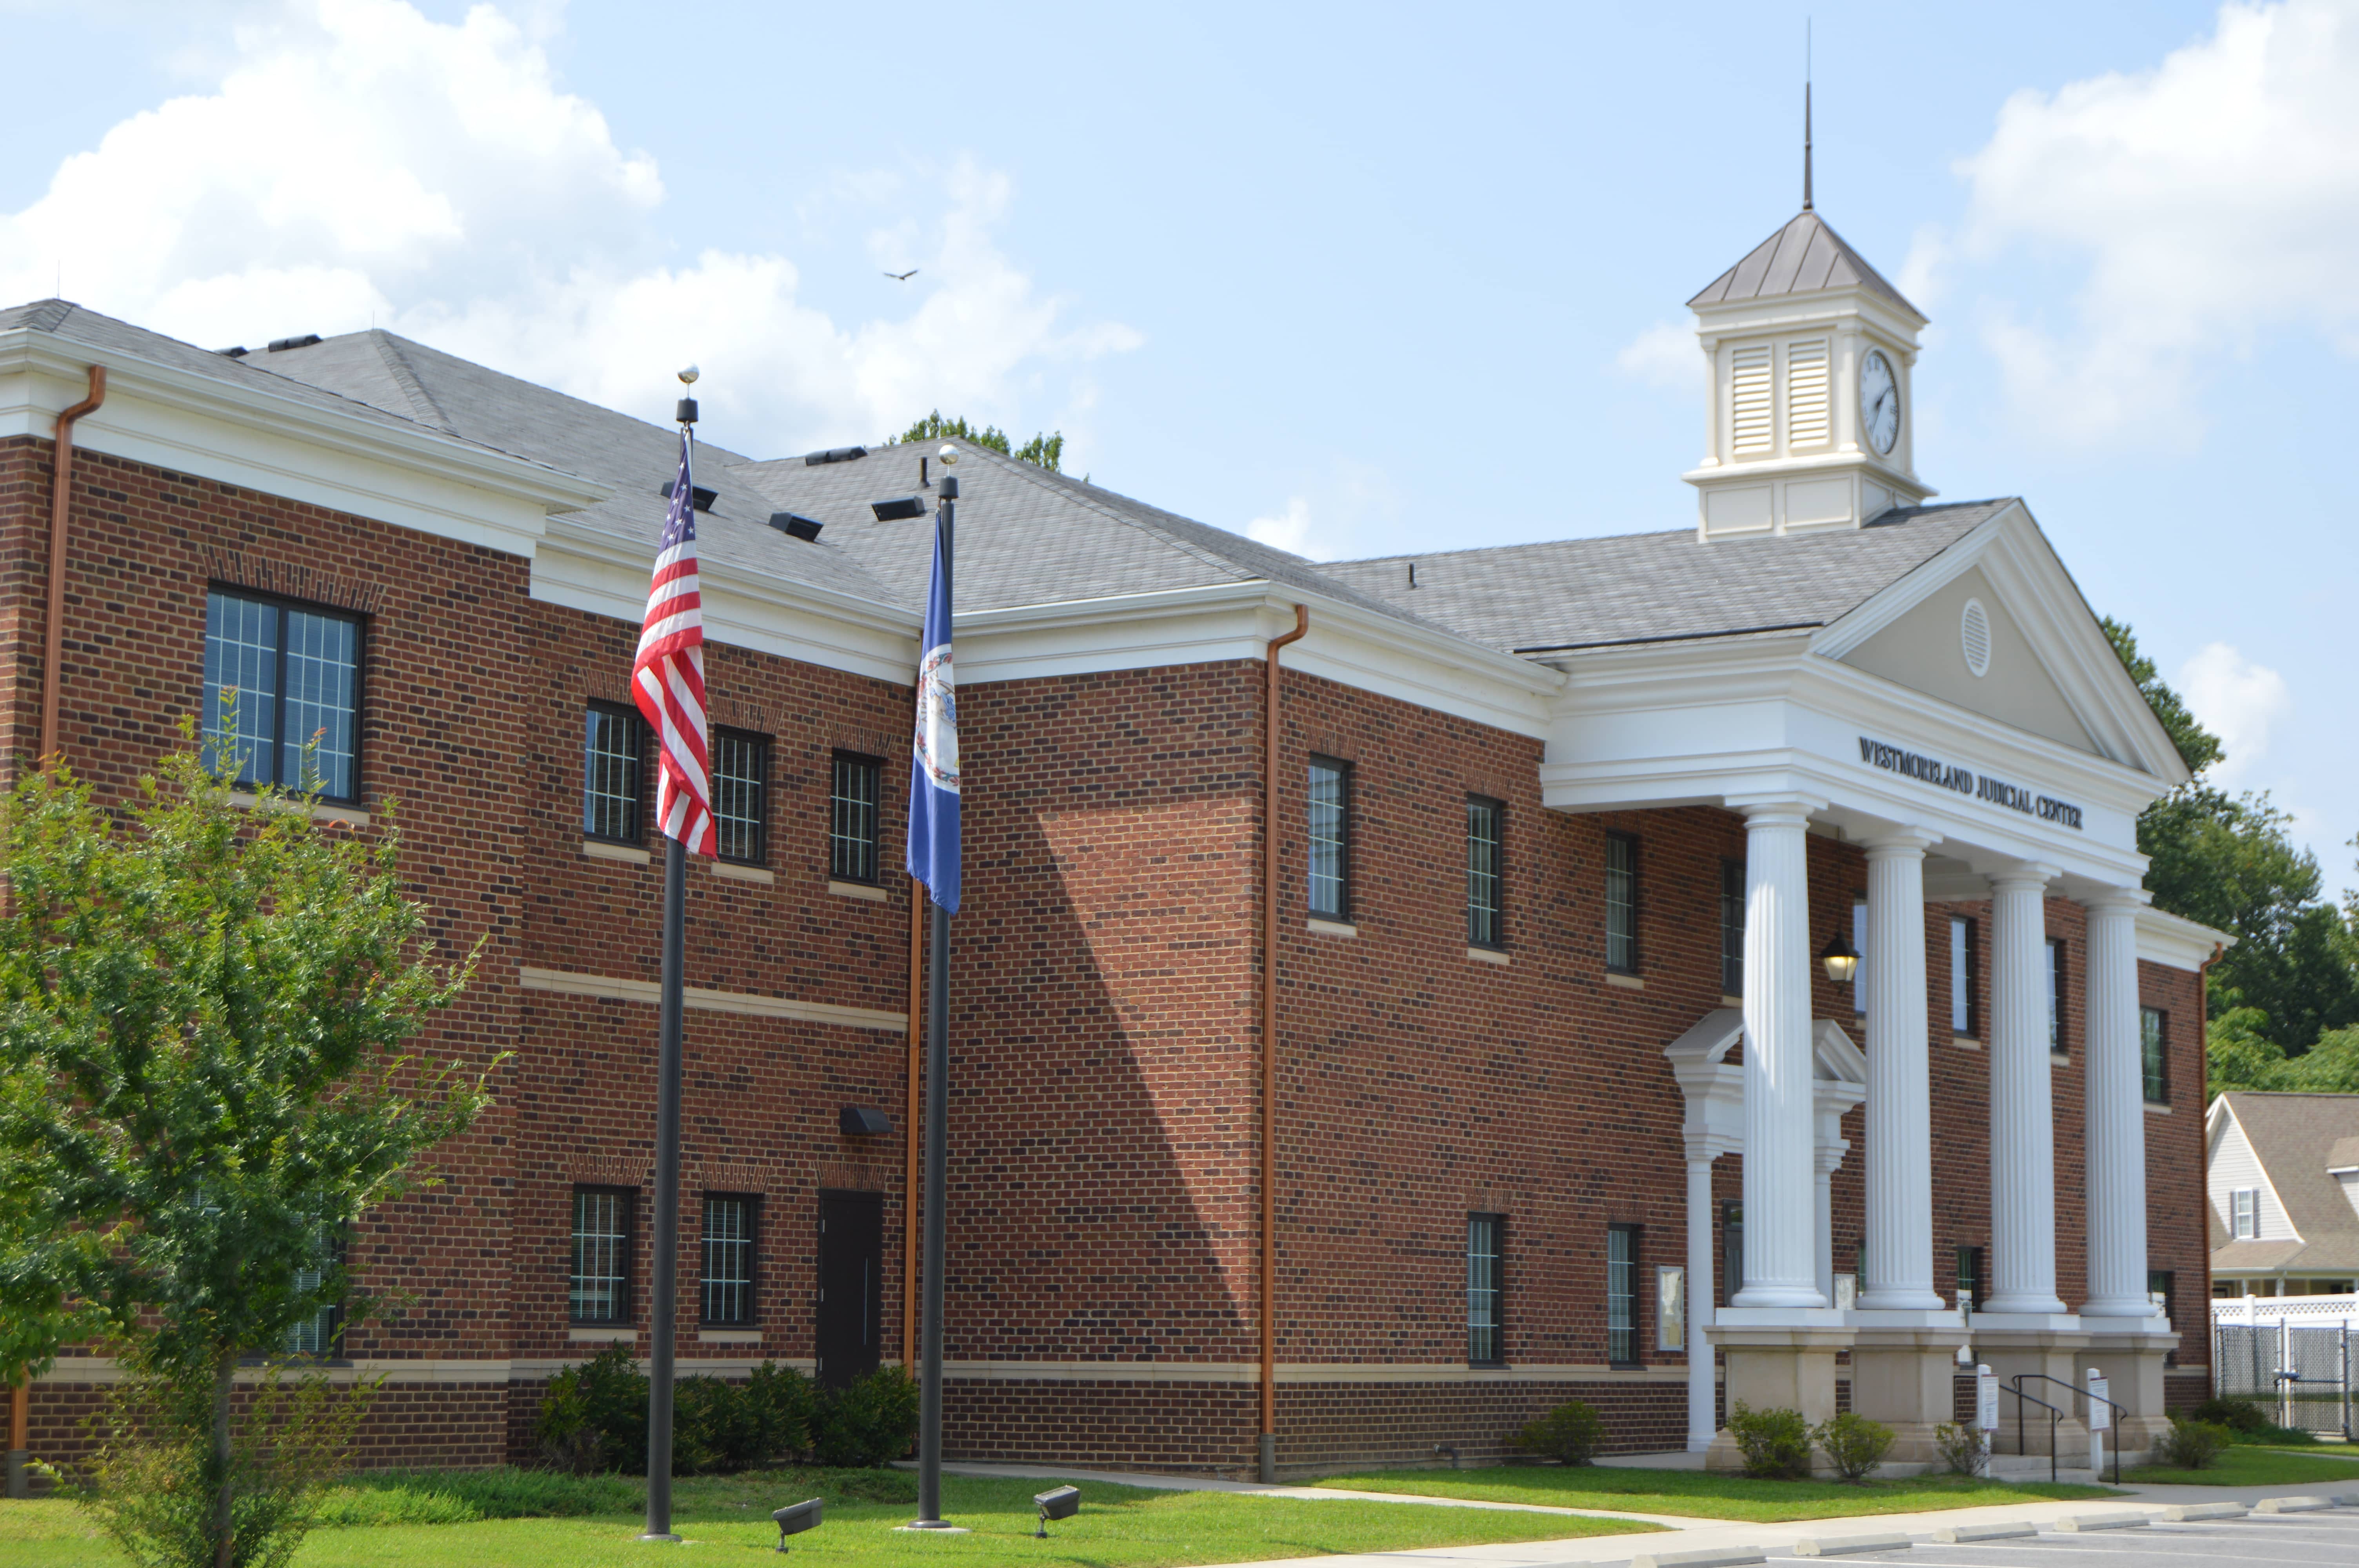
(2260, 1162)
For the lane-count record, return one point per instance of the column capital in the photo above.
(2130, 901)
(2022, 874)
(1892, 843)
(1778, 809)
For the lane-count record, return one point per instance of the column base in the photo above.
(2129, 1358)
(2024, 1343)
(1905, 1377)
(1777, 1367)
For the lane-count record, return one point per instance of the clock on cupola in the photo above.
(1810, 419)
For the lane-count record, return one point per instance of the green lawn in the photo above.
(1697, 1493)
(2243, 1466)
(1118, 1527)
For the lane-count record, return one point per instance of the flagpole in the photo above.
(663, 1284)
(938, 1109)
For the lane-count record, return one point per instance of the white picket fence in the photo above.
(2321, 1312)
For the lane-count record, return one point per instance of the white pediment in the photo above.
(1927, 649)
(1714, 1086)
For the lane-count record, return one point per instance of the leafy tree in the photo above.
(204, 1015)
(1047, 452)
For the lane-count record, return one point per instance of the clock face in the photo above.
(1879, 402)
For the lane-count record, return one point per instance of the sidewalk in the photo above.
(1694, 1534)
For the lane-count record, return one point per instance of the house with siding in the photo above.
(2283, 1178)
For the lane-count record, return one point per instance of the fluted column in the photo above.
(1701, 1420)
(1899, 1094)
(2022, 1112)
(1780, 1227)
(1826, 1159)
(2115, 1113)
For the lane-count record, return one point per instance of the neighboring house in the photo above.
(2284, 1183)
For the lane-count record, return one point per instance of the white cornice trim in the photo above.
(2175, 941)
(257, 438)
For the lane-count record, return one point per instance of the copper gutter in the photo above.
(2203, 1032)
(60, 504)
(910, 1132)
(1269, 1046)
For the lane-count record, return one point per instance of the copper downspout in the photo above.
(60, 503)
(2203, 1032)
(909, 1131)
(1269, 1047)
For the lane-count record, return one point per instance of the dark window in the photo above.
(1621, 903)
(600, 1285)
(1970, 1276)
(1329, 825)
(1732, 1251)
(2161, 1290)
(2154, 1052)
(852, 819)
(2056, 993)
(1965, 965)
(1732, 928)
(613, 738)
(280, 678)
(1622, 1295)
(1482, 884)
(320, 1334)
(1484, 1343)
(729, 1259)
(741, 776)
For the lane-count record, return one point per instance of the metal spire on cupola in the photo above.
(1806, 113)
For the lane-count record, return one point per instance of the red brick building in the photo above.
(1562, 831)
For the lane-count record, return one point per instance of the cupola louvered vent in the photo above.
(1974, 637)
(1748, 401)
(1806, 408)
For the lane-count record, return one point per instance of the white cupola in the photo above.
(1810, 422)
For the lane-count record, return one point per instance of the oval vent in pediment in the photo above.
(1974, 637)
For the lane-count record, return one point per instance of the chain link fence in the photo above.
(2300, 1372)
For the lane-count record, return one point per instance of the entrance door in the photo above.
(851, 1285)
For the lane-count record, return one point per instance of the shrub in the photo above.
(1569, 1433)
(2238, 1415)
(594, 1418)
(869, 1421)
(2193, 1444)
(1853, 1445)
(1775, 1442)
(1963, 1449)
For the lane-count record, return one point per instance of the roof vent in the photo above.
(796, 525)
(834, 455)
(280, 345)
(700, 497)
(900, 506)
(1974, 637)
(238, 353)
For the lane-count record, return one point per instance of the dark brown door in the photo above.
(851, 1285)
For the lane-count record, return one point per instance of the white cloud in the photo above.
(1665, 355)
(352, 160)
(2236, 699)
(2214, 199)
(1288, 530)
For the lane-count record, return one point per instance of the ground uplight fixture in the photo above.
(1059, 1502)
(1840, 958)
(796, 1518)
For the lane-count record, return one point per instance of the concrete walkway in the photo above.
(1694, 1534)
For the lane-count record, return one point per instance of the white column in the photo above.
(1825, 1159)
(1899, 1092)
(1700, 1295)
(2022, 1113)
(1780, 1227)
(2115, 1113)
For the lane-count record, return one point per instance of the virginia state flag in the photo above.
(934, 780)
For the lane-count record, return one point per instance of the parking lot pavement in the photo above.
(2304, 1540)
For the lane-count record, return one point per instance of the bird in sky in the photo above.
(902, 276)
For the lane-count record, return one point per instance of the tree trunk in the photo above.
(224, 1377)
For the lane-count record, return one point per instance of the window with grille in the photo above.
(600, 1291)
(2154, 1054)
(1484, 1345)
(1621, 903)
(2056, 993)
(852, 819)
(1732, 928)
(1622, 1295)
(1970, 1276)
(2245, 1220)
(279, 678)
(319, 1335)
(1732, 1251)
(612, 739)
(741, 775)
(1965, 961)
(2161, 1290)
(1482, 885)
(729, 1259)
(1330, 828)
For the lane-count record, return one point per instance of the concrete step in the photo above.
(2034, 1467)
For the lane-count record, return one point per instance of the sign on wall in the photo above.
(1959, 779)
(1670, 1309)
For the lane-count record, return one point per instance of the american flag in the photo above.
(668, 675)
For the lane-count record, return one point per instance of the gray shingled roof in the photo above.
(1801, 258)
(2296, 1137)
(1574, 593)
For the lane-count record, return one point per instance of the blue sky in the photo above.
(1360, 280)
